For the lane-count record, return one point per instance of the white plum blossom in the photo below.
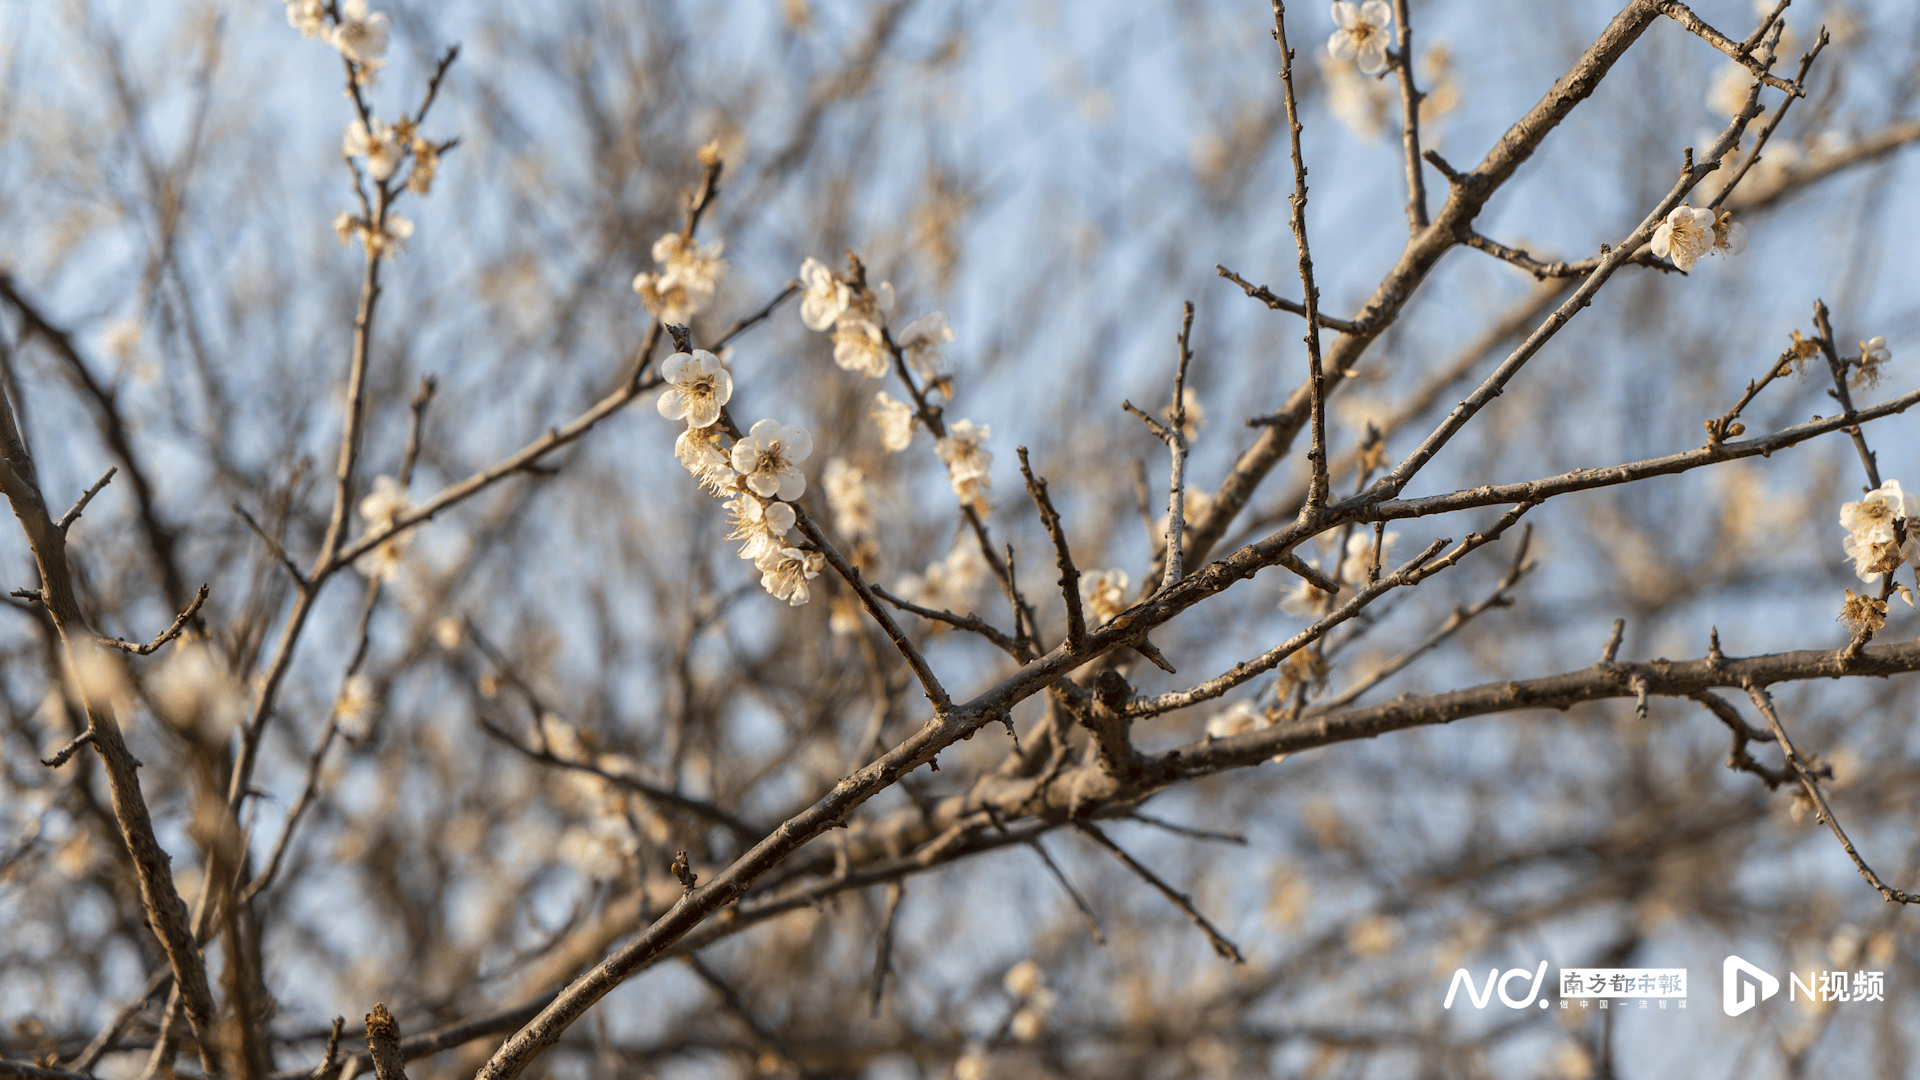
(761, 527)
(703, 451)
(1873, 530)
(687, 279)
(849, 498)
(768, 459)
(1025, 979)
(1104, 593)
(697, 385)
(895, 419)
(949, 584)
(383, 148)
(826, 295)
(920, 342)
(194, 692)
(308, 16)
(1874, 355)
(1729, 236)
(1728, 96)
(354, 708)
(785, 572)
(968, 462)
(1236, 719)
(384, 243)
(378, 509)
(1028, 985)
(1362, 36)
(861, 345)
(973, 1065)
(361, 37)
(1685, 235)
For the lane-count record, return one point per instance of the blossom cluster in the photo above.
(385, 146)
(685, 283)
(1028, 985)
(1883, 531)
(757, 474)
(387, 501)
(856, 314)
(1688, 233)
(359, 35)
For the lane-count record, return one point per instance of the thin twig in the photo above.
(745, 831)
(883, 954)
(65, 754)
(1773, 122)
(171, 632)
(1811, 786)
(1063, 556)
(1272, 658)
(1188, 830)
(1281, 303)
(1226, 949)
(66, 520)
(1410, 98)
(737, 1005)
(969, 622)
(417, 422)
(1079, 902)
(1838, 368)
(1318, 489)
(1743, 733)
(1679, 13)
(1724, 428)
(273, 546)
(1177, 449)
(1460, 617)
(929, 682)
(1614, 637)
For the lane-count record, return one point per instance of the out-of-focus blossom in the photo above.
(968, 461)
(861, 345)
(1729, 236)
(1104, 593)
(382, 147)
(361, 37)
(849, 498)
(895, 419)
(921, 341)
(685, 284)
(378, 509)
(308, 16)
(825, 296)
